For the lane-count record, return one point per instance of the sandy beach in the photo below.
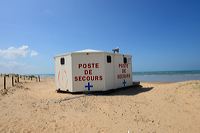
(156, 107)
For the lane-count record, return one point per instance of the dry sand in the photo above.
(156, 107)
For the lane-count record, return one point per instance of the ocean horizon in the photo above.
(166, 76)
(158, 76)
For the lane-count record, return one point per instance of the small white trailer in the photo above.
(92, 70)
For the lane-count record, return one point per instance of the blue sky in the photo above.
(160, 34)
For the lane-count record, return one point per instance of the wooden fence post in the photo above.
(4, 81)
(39, 78)
(13, 81)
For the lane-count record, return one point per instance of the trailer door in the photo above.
(62, 75)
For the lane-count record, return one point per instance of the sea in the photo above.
(159, 76)
(166, 76)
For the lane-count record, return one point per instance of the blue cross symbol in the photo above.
(124, 83)
(88, 86)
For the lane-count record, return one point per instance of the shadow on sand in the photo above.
(128, 91)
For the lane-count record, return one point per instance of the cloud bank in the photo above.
(13, 53)
(10, 59)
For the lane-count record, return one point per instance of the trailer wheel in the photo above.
(58, 90)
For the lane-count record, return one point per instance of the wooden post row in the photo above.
(13, 81)
(18, 79)
(4, 81)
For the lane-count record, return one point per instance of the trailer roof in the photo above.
(84, 51)
(88, 51)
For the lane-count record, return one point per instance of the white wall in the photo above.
(63, 73)
(83, 58)
(109, 72)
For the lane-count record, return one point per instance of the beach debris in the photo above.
(50, 101)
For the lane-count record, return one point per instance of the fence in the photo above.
(10, 80)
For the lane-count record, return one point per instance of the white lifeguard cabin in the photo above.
(92, 70)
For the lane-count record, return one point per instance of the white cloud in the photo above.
(12, 52)
(33, 53)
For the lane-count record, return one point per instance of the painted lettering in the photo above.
(76, 78)
(88, 78)
(88, 72)
(123, 70)
(79, 66)
(122, 76)
(89, 65)
(123, 65)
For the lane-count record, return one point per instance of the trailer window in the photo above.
(62, 61)
(125, 60)
(108, 59)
